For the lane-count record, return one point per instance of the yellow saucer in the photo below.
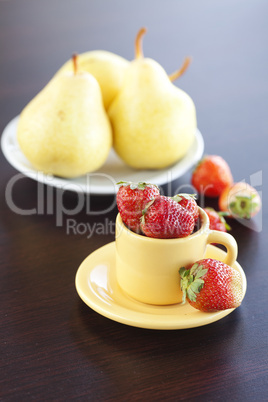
(96, 285)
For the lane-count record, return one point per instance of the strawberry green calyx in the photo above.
(191, 281)
(144, 211)
(140, 185)
(221, 215)
(243, 206)
(179, 197)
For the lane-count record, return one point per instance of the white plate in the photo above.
(104, 180)
(96, 285)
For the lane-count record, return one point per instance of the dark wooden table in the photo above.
(53, 346)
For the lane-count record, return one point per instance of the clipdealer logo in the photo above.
(50, 201)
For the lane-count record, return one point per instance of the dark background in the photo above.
(54, 347)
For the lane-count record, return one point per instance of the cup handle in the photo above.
(227, 240)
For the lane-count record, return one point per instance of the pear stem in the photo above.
(138, 43)
(182, 70)
(75, 66)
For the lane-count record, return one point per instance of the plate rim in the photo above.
(9, 133)
(145, 320)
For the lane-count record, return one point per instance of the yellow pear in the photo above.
(154, 122)
(108, 69)
(65, 130)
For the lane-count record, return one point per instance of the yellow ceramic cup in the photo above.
(147, 269)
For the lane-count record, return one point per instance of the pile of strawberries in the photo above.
(212, 177)
(146, 212)
(208, 285)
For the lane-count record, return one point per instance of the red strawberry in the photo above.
(216, 220)
(211, 176)
(240, 200)
(210, 285)
(164, 218)
(131, 200)
(188, 201)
